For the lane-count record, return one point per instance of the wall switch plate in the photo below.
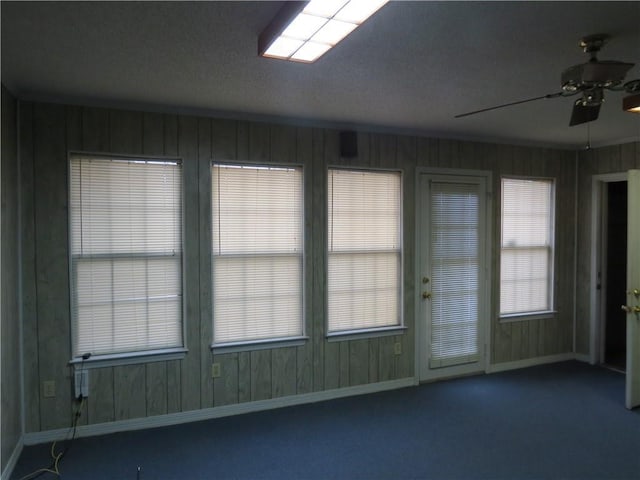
(397, 348)
(215, 370)
(81, 383)
(49, 389)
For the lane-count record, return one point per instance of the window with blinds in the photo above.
(257, 233)
(364, 250)
(526, 256)
(126, 254)
(455, 272)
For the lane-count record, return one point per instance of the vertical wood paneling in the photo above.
(181, 385)
(190, 374)
(386, 360)
(344, 359)
(156, 388)
(174, 384)
(224, 141)
(406, 156)
(304, 361)
(95, 130)
(260, 375)
(74, 143)
(318, 280)
(125, 132)
(283, 372)
(153, 134)
(244, 377)
(205, 282)
(10, 349)
(52, 276)
(101, 402)
(259, 146)
(30, 354)
(358, 362)
(130, 400)
(226, 386)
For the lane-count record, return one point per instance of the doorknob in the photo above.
(635, 292)
(426, 295)
(627, 308)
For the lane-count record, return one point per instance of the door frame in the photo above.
(420, 324)
(598, 260)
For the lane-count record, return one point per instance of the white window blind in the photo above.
(257, 253)
(526, 257)
(365, 254)
(126, 254)
(454, 232)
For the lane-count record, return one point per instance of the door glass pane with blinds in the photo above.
(526, 256)
(455, 271)
(126, 254)
(364, 249)
(257, 233)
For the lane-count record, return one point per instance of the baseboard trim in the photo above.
(214, 412)
(530, 362)
(583, 357)
(13, 460)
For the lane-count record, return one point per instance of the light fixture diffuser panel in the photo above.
(324, 8)
(283, 47)
(304, 26)
(357, 11)
(333, 32)
(310, 52)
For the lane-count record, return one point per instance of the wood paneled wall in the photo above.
(614, 159)
(49, 131)
(10, 328)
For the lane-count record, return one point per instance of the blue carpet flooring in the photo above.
(559, 421)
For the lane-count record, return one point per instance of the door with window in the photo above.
(633, 292)
(453, 282)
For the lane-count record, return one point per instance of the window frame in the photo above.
(135, 356)
(366, 332)
(261, 343)
(551, 248)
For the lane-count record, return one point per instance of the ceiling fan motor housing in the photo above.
(594, 74)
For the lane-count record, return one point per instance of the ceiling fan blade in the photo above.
(549, 95)
(583, 114)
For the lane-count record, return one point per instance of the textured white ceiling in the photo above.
(410, 68)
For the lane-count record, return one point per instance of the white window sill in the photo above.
(523, 317)
(130, 358)
(230, 347)
(365, 333)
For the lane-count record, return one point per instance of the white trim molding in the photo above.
(530, 362)
(13, 460)
(214, 412)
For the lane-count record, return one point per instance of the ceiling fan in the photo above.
(589, 79)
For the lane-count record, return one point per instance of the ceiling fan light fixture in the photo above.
(313, 27)
(631, 103)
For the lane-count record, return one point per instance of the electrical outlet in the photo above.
(81, 383)
(49, 389)
(397, 348)
(215, 370)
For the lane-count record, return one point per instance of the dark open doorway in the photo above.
(615, 338)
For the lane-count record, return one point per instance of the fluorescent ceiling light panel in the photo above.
(310, 52)
(314, 29)
(357, 11)
(303, 26)
(283, 47)
(333, 31)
